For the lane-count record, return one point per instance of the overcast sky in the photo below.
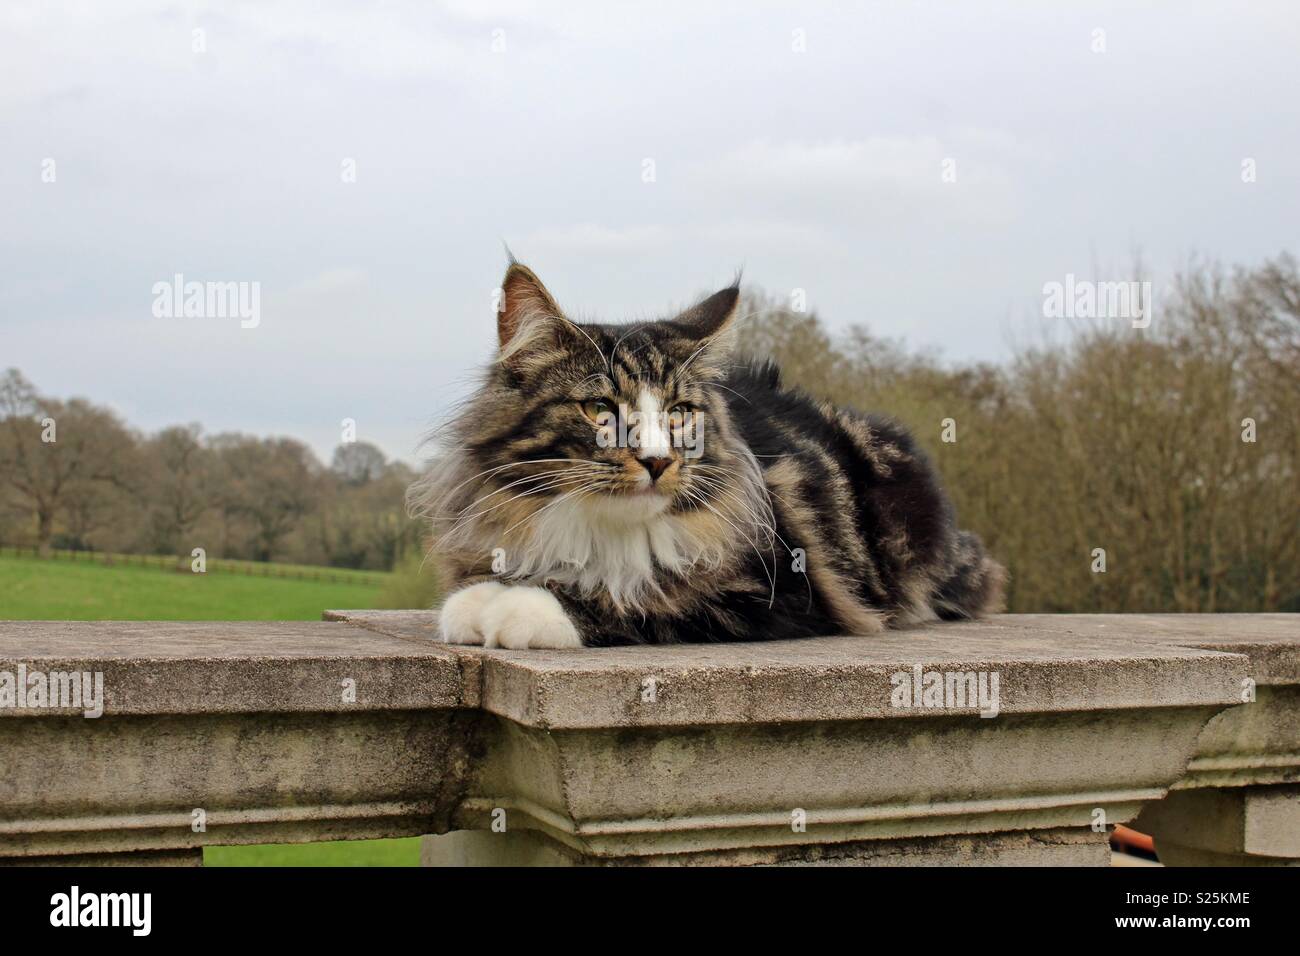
(473, 123)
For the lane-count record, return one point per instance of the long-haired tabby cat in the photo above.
(617, 484)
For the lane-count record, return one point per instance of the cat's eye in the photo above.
(680, 414)
(599, 410)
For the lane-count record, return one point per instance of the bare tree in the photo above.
(182, 486)
(271, 482)
(54, 453)
(358, 463)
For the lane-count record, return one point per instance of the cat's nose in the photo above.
(656, 466)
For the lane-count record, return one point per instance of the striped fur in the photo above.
(797, 518)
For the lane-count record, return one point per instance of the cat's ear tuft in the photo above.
(524, 302)
(712, 318)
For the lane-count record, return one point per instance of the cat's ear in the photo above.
(713, 320)
(523, 300)
(526, 312)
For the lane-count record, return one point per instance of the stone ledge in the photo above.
(180, 667)
(1271, 641)
(834, 678)
(1099, 718)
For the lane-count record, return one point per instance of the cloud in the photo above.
(893, 179)
(836, 164)
(595, 237)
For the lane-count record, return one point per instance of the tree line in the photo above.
(74, 475)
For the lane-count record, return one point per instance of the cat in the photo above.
(628, 484)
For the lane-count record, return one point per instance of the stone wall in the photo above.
(844, 750)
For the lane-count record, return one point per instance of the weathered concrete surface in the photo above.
(77, 786)
(1272, 641)
(182, 667)
(789, 752)
(611, 794)
(1048, 664)
(277, 732)
(1098, 715)
(1242, 746)
(1230, 826)
(1238, 804)
(1042, 667)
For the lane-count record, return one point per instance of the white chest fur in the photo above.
(623, 546)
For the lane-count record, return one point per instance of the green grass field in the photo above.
(359, 853)
(32, 589)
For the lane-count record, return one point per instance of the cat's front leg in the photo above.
(514, 617)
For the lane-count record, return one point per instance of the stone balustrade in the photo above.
(1017, 740)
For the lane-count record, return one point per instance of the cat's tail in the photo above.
(976, 584)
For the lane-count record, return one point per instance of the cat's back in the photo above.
(859, 491)
(769, 415)
(775, 419)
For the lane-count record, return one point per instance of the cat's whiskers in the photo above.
(770, 529)
(723, 482)
(762, 532)
(460, 517)
(548, 486)
(551, 473)
(510, 464)
(762, 524)
(720, 477)
(771, 575)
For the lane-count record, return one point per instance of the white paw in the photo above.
(458, 621)
(524, 617)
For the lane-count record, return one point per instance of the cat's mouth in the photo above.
(648, 494)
